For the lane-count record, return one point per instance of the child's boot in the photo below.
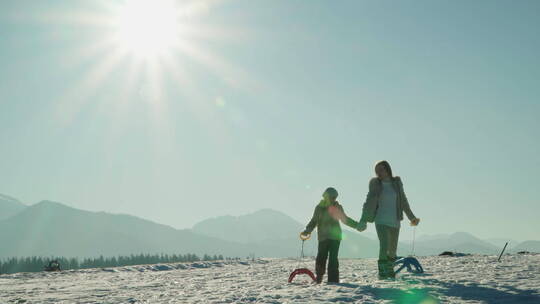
(333, 275)
(382, 269)
(390, 269)
(333, 270)
(319, 271)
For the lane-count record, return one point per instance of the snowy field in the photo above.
(472, 279)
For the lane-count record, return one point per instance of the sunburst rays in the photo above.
(112, 46)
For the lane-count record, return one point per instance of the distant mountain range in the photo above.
(532, 246)
(457, 242)
(51, 228)
(500, 242)
(9, 206)
(279, 233)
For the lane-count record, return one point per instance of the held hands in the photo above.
(415, 222)
(361, 226)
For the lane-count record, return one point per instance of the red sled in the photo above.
(301, 271)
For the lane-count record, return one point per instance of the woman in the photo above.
(385, 204)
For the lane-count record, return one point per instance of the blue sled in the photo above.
(411, 263)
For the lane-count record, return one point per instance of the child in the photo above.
(326, 217)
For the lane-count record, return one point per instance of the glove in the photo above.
(361, 226)
(415, 222)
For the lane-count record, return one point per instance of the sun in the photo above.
(145, 47)
(148, 28)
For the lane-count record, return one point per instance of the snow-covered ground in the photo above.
(471, 279)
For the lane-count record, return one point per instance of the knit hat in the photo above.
(330, 192)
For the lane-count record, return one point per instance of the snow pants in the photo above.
(328, 249)
(388, 241)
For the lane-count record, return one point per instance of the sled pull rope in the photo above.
(413, 240)
(301, 254)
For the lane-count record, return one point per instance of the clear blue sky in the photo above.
(276, 101)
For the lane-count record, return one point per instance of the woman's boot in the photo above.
(382, 269)
(390, 274)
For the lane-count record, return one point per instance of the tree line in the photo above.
(37, 263)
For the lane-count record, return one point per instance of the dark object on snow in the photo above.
(454, 254)
(524, 252)
(500, 255)
(301, 271)
(409, 263)
(53, 266)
